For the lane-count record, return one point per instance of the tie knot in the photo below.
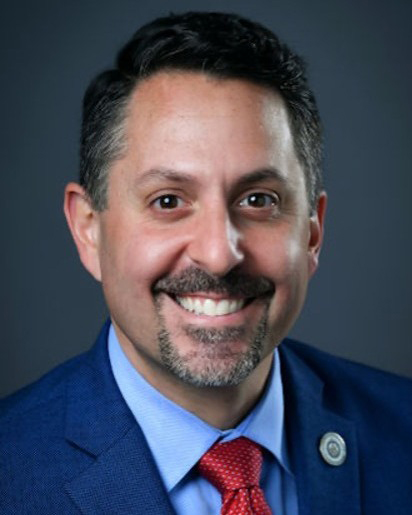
(232, 465)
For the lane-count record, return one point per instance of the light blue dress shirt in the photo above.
(178, 439)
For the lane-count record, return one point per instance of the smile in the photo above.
(210, 307)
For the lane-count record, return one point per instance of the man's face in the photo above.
(206, 246)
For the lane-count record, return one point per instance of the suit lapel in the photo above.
(122, 480)
(121, 476)
(323, 489)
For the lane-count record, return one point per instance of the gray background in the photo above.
(360, 67)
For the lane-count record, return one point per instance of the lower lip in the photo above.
(237, 318)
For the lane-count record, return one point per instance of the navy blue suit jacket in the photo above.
(70, 445)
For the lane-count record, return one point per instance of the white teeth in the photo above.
(233, 306)
(210, 307)
(223, 307)
(197, 307)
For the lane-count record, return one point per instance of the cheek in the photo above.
(284, 261)
(140, 255)
(281, 256)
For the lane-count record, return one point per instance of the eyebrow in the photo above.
(165, 174)
(259, 175)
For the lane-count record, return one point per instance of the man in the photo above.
(200, 209)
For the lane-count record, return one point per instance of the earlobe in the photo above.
(316, 231)
(83, 223)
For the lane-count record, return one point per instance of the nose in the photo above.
(215, 245)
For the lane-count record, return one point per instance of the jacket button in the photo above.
(332, 448)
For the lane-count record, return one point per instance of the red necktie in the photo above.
(234, 469)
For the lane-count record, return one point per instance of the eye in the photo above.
(260, 200)
(168, 202)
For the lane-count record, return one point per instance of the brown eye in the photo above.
(167, 202)
(259, 200)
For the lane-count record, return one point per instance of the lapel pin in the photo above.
(332, 448)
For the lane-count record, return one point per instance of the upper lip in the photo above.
(223, 292)
(199, 283)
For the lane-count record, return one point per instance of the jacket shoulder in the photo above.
(47, 389)
(35, 457)
(349, 386)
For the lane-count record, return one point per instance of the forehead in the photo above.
(197, 97)
(167, 90)
(195, 123)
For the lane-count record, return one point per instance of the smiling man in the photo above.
(208, 170)
(200, 209)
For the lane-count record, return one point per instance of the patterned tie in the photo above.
(234, 469)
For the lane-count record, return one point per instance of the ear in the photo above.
(83, 222)
(316, 230)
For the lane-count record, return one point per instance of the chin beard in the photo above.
(213, 363)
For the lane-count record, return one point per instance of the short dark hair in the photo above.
(223, 45)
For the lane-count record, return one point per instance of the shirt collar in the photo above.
(167, 426)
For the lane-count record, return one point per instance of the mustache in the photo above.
(192, 280)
